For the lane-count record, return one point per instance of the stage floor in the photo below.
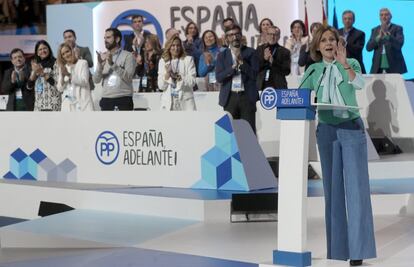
(180, 243)
(220, 244)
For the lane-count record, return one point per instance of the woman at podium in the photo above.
(343, 149)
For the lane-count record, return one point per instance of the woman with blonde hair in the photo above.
(176, 77)
(73, 80)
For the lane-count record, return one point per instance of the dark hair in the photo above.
(234, 27)
(188, 26)
(350, 12)
(302, 25)
(71, 31)
(36, 57)
(16, 50)
(228, 19)
(260, 24)
(204, 34)
(316, 55)
(116, 33)
(137, 16)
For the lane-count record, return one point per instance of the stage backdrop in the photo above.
(93, 18)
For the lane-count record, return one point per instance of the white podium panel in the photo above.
(174, 149)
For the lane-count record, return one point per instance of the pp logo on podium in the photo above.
(268, 98)
(107, 147)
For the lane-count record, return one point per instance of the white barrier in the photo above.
(174, 149)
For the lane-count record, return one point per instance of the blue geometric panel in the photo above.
(239, 176)
(232, 185)
(37, 166)
(221, 166)
(34, 159)
(237, 156)
(231, 147)
(27, 176)
(224, 173)
(18, 165)
(222, 137)
(18, 155)
(9, 175)
(211, 162)
(32, 167)
(37, 155)
(215, 156)
(225, 123)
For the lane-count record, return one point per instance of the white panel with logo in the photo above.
(174, 149)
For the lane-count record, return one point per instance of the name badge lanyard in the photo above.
(176, 70)
(144, 78)
(237, 81)
(212, 74)
(174, 85)
(19, 84)
(112, 80)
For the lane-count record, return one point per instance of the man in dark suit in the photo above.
(236, 69)
(355, 39)
(135, 41)
(14, 83)
(69, 37)
(387, 40)
(274, 61)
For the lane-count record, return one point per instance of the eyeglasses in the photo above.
(273, 34)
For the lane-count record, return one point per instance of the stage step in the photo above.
(201, 205)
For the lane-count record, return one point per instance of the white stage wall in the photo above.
(173, 149)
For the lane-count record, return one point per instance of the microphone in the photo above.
(310, 74)
(319, 85)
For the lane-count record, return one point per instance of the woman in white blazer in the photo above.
(294, 43)
(176, 77)
(73, 81)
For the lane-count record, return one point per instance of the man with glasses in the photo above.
(274, 61)
(387, 40)
(15, 83)
(236, 69)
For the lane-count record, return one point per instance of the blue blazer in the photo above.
(249, 71)
(393, 46)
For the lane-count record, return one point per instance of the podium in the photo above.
(295, 110)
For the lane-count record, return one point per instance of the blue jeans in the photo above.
(348, 213)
